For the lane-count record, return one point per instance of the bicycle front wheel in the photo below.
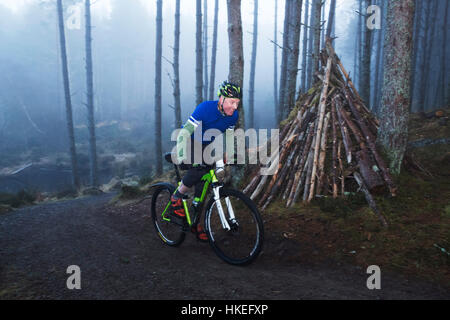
(241, 244)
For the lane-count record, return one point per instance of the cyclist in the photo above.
(221, 115)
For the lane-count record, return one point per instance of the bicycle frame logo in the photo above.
(258, 147)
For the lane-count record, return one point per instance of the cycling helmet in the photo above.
(230, 90)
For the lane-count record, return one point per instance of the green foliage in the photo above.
(341, 207)
(129, 192)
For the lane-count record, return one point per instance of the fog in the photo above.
(32, 106)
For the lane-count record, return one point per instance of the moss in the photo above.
(129, 192)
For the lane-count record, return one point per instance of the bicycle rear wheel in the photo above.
(170, 231)
(242, 244)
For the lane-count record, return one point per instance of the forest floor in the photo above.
(121, 257)
(319, 251)
(417, 241)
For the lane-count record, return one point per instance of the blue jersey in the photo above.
(208, 114)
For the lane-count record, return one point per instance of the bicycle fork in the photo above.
(219, 206)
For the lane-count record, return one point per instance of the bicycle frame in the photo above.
(210, 179)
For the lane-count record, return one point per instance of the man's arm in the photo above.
(183, 137)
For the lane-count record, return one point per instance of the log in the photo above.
(322, 108)
(252, 185)
(371, 143)
(323, 152)
(296, 187)
(345, 136)
(308, 175)
(334, 154)
(371, 178)
(369, 198)
(341, 167)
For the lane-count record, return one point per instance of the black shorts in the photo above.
(194, 176)
(195, 172)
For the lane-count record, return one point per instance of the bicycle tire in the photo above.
(170, 233)
(243, 244)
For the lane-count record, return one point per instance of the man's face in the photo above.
(230, 105)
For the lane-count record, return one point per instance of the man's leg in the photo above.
(193, 176)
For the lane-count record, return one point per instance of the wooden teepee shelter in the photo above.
(327, 145)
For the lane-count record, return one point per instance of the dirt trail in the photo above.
(121, 257)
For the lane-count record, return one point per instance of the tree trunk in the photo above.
(205, 48)
(312, 24)
(68, 97)
(158, 76)
(322, 21)
(284, 60)
(305, 47)
(394, 114)
(275, 60)
(417, 28)
(236, 72)
(317, 28)
(428, 76)
(375, 106)
(214, 52)
(90, 97)
(366, 60)
(292, 68)
(251, 92)
(199, 54)
(424, 67)
(358, 53)
(331, 18)
(444, 86)
(176, 67)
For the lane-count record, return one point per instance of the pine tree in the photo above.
(214, 52)
(251, 92)
(90, 97)
(68, 97)
(176, 67)
(236, 72)
(394, 113)
(158, 76)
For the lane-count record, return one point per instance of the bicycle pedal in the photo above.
(180, 221)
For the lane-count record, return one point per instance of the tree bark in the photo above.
(366, 60)
(428, 76)
(275, 60)
(205, 48)
(214, 52)
(158, 76)
(331, 18)
(251, 92)
(90, 98)
(305, 47)
(294, 44)
(311, 45)
(176, 67)
(317, 29)
(284, 60)
(394, 114)
(68, 97)
(199, 55)
(236, 73)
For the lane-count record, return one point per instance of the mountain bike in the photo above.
(232, 221)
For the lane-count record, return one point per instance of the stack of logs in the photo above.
(328, 145)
